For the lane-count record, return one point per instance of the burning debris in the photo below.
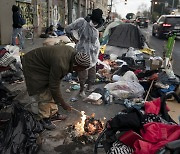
(93, 126)
(87, 130)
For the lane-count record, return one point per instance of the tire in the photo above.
(153, 34)
(160, 35)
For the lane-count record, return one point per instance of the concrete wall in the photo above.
(6, 21)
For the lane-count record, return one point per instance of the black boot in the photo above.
(47, 124)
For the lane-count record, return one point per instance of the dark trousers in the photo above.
(87, 76)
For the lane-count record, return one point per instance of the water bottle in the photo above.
(106, 96)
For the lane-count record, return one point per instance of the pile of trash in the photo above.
(19, 130)
(10, 64)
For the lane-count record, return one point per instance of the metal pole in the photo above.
(70, 6)
(173, 4)
(152, 10)
(111, 5)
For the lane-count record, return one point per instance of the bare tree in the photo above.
(144, 10)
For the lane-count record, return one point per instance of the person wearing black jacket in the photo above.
(18, 22)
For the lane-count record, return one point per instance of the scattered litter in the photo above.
(75, 87)
(73, 82)
(68, 91)
(73, 99)
(94, 98)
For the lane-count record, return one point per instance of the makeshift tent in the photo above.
(125, 36)
(107, 30)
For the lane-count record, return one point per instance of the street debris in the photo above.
(87, 130)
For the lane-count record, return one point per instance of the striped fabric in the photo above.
(82, 59)
(120, 148)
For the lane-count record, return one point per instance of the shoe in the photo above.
(47, 124)
(82, 94)
(90, 88)
(59, 117)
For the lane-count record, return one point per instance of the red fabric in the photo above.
(4, 68)
(153, 77)
(101, 56)
(129, 138)
(136, 72)
(154, 106)
(2, 52)
(156, 135)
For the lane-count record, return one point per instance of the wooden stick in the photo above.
(76, 110)
(148, 91)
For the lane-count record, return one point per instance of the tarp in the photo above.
(125, 36)
(108, 29)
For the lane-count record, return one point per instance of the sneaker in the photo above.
(90, 88)
(82, 94)
(47, 124)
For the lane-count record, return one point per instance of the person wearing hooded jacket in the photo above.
(18, 22)
(88, 42)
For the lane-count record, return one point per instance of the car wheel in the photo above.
(160, 35)
(153, 33)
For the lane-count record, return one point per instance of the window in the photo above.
(173, 20)
(161, 19)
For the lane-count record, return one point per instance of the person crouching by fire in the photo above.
(43, 70)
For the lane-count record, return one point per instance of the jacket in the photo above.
(18, 20)
(88, 38)
(44, 68)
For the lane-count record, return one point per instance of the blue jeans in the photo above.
(18, 32)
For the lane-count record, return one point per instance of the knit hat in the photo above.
(82, 59)
(97, 16)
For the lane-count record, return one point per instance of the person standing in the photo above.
(88, 42)
(18, 22)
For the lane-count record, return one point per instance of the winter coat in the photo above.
(18, 20)
(44, 68)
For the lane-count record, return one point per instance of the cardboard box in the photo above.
(155, 63)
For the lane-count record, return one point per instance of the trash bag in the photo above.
(20, 133)
(125, 89)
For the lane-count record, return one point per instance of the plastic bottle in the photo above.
(106, 96)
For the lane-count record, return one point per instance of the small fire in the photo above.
(80, 125)
(88, 125)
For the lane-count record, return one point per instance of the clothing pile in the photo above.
(141, 131)
(10, 63)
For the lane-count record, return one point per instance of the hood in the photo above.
(15, 8)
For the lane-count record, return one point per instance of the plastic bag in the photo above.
(130, 76)
(106, 66)
(125, 89)
(134, 54)
(21, 132)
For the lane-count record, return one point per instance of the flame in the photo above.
(79, 127)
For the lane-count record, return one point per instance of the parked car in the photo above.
(166, 24)
(142, 22)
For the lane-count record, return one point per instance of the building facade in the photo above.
(42, 13)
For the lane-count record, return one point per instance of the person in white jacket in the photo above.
(88, 42)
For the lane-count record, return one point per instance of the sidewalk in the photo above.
(29, 45)
(57, 141)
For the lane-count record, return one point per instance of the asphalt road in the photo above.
(159, 44)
